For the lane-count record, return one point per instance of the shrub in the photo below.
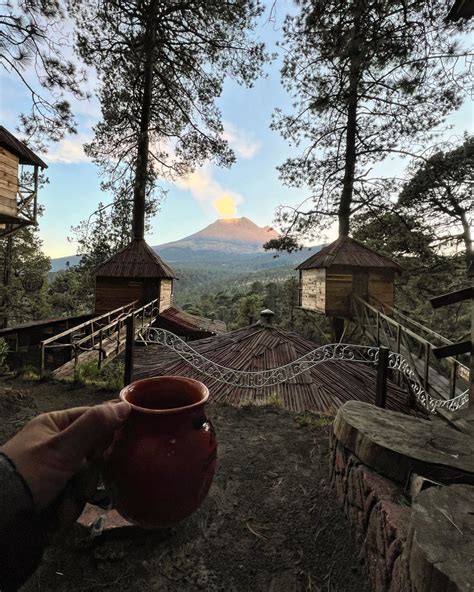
(109, 377)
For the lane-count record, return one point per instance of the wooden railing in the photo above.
(441, 378)
(73, 335)
(108, 339)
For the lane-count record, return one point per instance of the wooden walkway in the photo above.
(104, 343)
(382, 329)
(112, 346)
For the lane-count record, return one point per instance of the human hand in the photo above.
(54, 447)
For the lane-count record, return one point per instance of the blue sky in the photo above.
(73, 191)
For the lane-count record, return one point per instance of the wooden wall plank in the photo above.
(7, 198)
(8, 162)
(166, 294)
(111, 293)
(313, 289)
(9, 177)
(338, 292)
(382, 286)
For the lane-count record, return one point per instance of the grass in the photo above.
(310, 420)
(109, 377)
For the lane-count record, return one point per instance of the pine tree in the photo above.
(439, 195)
(162, 65)
(370, 79)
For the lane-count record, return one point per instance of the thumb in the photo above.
(87, 432)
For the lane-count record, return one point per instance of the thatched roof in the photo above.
(262, 346)
(349, 252)
(13, 145)
(138, 260)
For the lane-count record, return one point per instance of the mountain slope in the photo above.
(235, 244)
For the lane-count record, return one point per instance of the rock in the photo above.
(441, 540)
(396, 445)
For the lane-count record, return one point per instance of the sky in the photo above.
(250, 188)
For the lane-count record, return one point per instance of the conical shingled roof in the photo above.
(138, 260)
(348, 251)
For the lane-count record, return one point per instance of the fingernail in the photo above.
(122, 409)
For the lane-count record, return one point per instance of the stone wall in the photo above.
(379, 518)
(407, 488)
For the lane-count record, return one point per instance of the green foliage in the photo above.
(108, 377)
(70, 292)
(439, 196)
(369, 78)
(310, 420)
(274, 400)
(18, 303)
(4, 349)
(29, 373)
(31, 33)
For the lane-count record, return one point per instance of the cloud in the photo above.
(242, 141)
(210, 193)
(68, 151)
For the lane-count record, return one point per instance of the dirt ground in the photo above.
(269, 523)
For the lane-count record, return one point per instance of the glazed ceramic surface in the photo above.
(162, 462)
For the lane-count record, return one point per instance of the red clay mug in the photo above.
(162, 461)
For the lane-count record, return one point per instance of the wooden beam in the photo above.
(129, 350)
(452, 297)
(382, 374)
(456, 349)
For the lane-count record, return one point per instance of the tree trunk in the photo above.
(139, 190)
(467, 238)
(7, 271)
(344, 211)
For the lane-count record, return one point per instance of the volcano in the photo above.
(228, 235)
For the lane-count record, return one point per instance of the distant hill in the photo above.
(235, 244)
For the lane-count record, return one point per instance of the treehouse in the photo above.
(18, 192)
(344, 268)
(133, 273)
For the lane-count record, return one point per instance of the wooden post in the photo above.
(42, 357)
(100, 348)
(426, 369)
(129, 349)
(337, 328)
(378, 329)
(118, 334)
(454, 373)
(382, 372)
(76, 362)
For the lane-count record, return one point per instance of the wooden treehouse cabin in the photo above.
(329, 278)
(135, 273)
(18, 191)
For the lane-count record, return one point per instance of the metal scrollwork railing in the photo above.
(274, 376)
(399, 363)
